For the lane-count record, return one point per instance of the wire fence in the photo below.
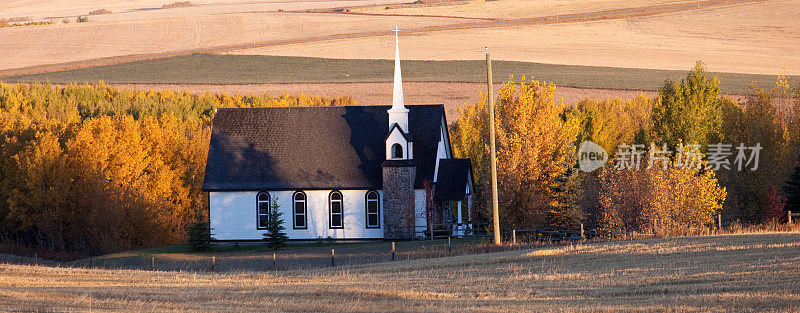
(293, 258)
(441, 240)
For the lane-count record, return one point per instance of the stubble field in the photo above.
(758, 37)
(754, 272)
(739, 36)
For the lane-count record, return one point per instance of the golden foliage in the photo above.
(666, 202)
(612, 122)
(95, 169)
(534, 140)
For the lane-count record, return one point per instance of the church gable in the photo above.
(398, 144)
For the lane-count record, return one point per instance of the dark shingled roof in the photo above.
(452, 179)
(312, 147)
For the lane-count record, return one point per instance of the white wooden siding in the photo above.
(233, 215)
(420, 211)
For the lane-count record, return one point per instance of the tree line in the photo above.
(92, 168)
(96, 169)
(540, 184)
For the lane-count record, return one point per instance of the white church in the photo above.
(347, 172)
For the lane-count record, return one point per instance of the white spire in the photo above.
(397, 94)
(398, 114)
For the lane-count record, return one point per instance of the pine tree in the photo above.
(792, 191)
(563, 212)
(275, 237)
(199, 233)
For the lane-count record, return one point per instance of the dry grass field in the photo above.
(159, 37)
(254, 256)
(740, 36)
(760, 37)
(143, 9)
(755, 272)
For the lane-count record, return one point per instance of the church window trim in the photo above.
(300, 215)
(372, 198)
(262, 209)
(335, 210)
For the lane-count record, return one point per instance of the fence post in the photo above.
(91, 261)
(449, 247)
(274, 259)
(333, 263)
(213, 263)
(790, 217)
(513, 236)
(36, 258)
(393, 251)
(153, 263)
(582, 235)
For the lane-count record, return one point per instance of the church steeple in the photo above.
(398, 114)
(399, 170)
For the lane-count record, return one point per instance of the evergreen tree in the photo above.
(563, 211)
(792, 191)
(199, 233)
(275, 237)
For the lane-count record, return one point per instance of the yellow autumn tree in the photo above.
(93, 168)
(609, 123)
(534, 144)
(674, 201)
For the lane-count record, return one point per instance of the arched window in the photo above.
(262, 210)
(299, 208)
(373, 210)
(397, 151)
(336, 210)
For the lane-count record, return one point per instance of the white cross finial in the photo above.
(396, 31)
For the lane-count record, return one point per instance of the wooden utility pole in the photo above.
(495, 210)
